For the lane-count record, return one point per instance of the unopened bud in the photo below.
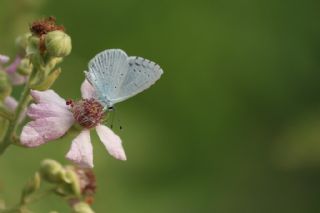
(32, 185)
(70, 186)
(73, 183)
(58, 44)
(51, 171)
(22, 42)
(25, 67)
(82, 207)
(33, 45)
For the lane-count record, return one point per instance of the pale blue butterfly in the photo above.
(117, 77)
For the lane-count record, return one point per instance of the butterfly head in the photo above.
(107, 105)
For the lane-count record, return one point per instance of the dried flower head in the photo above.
(42, 27)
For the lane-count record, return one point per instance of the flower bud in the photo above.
(22, 42)
(82, 207)
(25, 67)
(52, 171)
(33, 45)
(32, 185)
(5, 87)
(71, 185)
(58, 44)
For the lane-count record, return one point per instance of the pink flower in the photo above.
(52, 117)
(15, 78)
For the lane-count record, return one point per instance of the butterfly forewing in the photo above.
(106, 74)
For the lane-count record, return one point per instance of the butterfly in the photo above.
(116, 76)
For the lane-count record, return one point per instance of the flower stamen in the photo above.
(87, 112)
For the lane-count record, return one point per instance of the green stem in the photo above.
(13, 125)
(37, 197)
(23, 206)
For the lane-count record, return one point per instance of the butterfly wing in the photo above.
(141, 74)
(107, 71)
(117, 77)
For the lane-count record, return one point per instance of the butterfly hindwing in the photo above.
(141, 74)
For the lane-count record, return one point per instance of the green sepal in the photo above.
(45, 83)
(31, 187)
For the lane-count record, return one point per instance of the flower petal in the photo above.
(87, 90)
(4, 59)
(12, 68)
(43, 130)
(48, 97)
(81, 150)
(111, 141)
(10, 103)
(44, 110)
(17, 79)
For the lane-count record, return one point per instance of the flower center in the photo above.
(87, 112)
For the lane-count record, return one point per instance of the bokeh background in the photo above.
(233, 126)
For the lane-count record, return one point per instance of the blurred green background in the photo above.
(233, 126)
